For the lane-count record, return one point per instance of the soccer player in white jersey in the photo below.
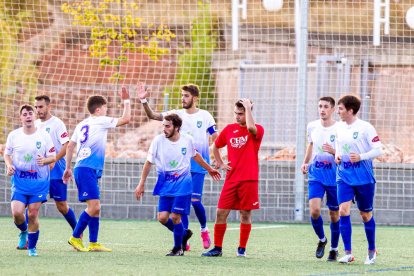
(199, 124)
(357, 144)
(90, 137)
(321, 171)
(59, 134)
(172, 153)
(29, 152)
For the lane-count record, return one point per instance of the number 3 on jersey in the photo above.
(85, 132)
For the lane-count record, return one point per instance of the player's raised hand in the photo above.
(124, 93)
(246, 103)
(67, 175)
(139, 191)
(142, 91)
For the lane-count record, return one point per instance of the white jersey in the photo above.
(359, 137)
(90, 136)
(322, 167)
(198, 125)
(29, 178)
(59, 134)
(173, 161)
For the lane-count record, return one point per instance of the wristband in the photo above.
(127, 101)
(143, 100)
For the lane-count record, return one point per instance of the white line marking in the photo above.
(259, 227)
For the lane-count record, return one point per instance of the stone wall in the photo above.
(394, 202)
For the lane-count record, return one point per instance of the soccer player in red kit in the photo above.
(241, 187)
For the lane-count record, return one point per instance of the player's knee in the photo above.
(62, 207)
(334, 215)
(245, 217)
(366, 216)
(315, 213)
(176, 218)
(163, 219)
(33, 214)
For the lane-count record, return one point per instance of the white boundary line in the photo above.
(260, 227)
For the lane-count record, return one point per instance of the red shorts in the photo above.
(242, 195)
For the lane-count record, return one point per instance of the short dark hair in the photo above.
(328, 99)
(175, 119)
(43, 97)
(351, 102)
(192, 89)
(28, 107)
(95, 102)
(240, 105)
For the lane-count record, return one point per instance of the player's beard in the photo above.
(169, 134)
(188, 105)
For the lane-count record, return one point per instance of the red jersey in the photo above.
(243, 151)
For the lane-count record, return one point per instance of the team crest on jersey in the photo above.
(38, 144)
(48, 129)
(199, 124)
(355, 134)
(332, 138)
(184, 151)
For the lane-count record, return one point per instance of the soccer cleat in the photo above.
(77, 244)
(241, 252)
(205, 236)
(23, 243)
(215, 252)
(348, 258)
(370, 261)
(187, 247)
(320, 250)
(32, 252)
(186, 237)
(333, 256)
(97, 247)
(176, 252)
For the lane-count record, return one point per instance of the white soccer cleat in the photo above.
(346, 259)
(370, 261)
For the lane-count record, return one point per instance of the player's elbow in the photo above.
(252, 130)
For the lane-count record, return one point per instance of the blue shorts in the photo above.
(175, 204)
(29, 199)
(317, 190)
(87, 182)
(58, 190)
(364, 195)
(198, 185)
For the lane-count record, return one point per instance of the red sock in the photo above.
(244, 234)
(219, 230)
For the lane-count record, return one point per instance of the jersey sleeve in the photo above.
(191, 146)
(309, 133)
(211, 124)
(62, 133)
(74, 137)
(9, 145)
(372, 137)
(152, 151)
(221, 140)
(109, 122)
(50, 148)
(259, 133)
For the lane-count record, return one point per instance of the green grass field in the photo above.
(139, 248)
